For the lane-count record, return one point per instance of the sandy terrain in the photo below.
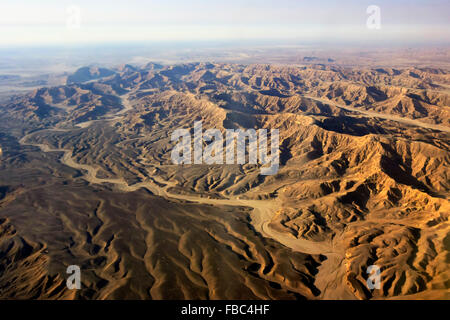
(363, 180)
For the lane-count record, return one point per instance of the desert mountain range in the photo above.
(86, 178)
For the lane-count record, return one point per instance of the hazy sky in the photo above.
(30, 22)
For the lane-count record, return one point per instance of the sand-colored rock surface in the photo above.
(86, 178)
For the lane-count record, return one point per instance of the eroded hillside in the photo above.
(87, 178)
